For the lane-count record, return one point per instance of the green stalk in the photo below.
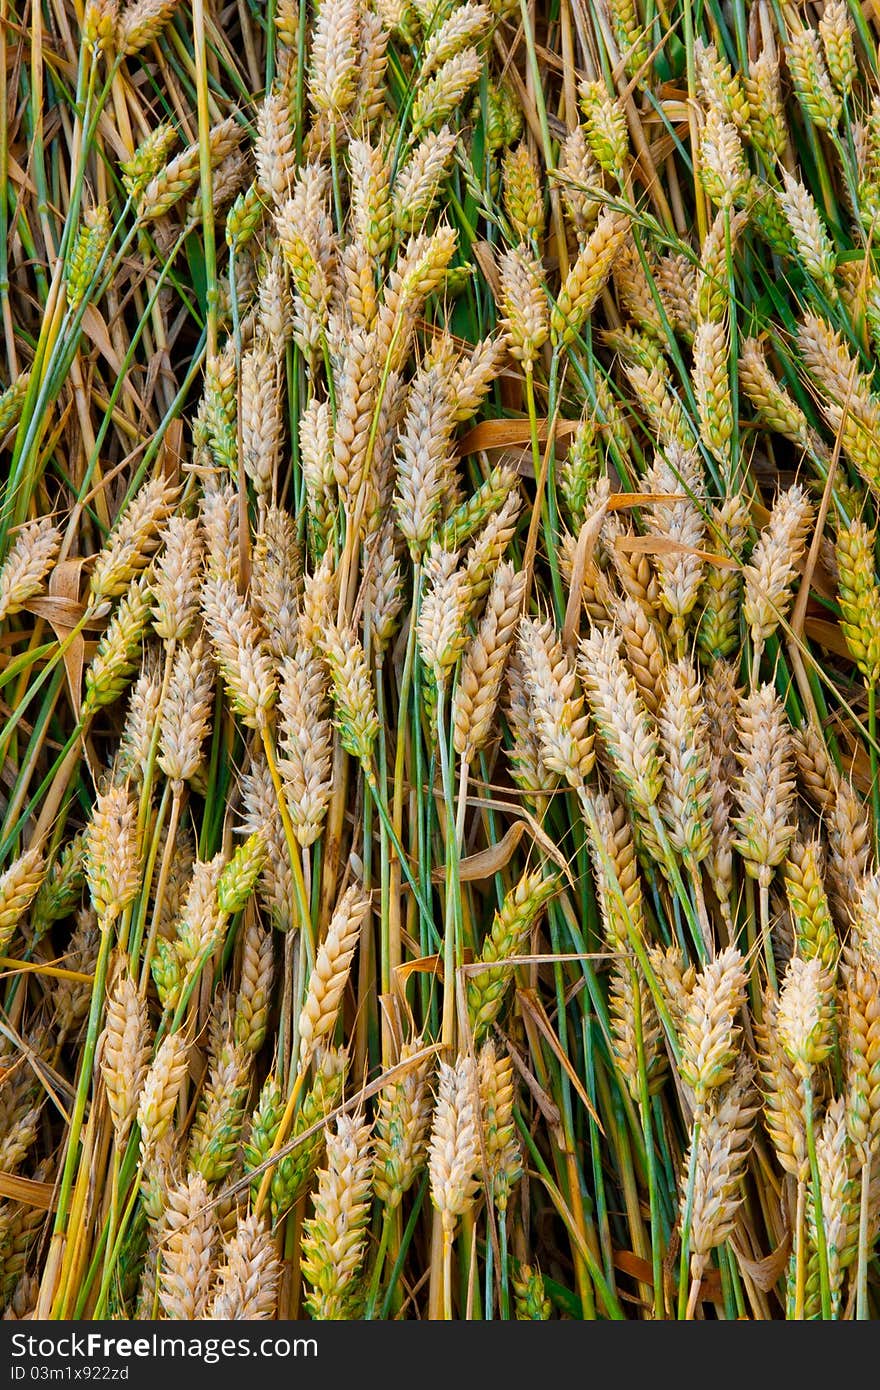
(864, 1240)
(650, 1158)
(875, 771)
(452, 908)
(821, 1242)
(684, 1266)
(84, 1080)
(378, 1266)
(206, 174)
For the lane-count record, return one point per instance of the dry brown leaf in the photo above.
(27, 1191)
(488, 861)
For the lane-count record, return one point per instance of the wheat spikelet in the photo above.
(580, 178)
(489, 547)
(186, 713)
(219, 518)
(810, 76)
(500, 1150)
(530, 1298)
(678, 474)
(160, 1091)
(437, 98)
(859, 597)
(712, 388)
(784, 1117)
(424, 458)
(523, 196)
(175, 582)
(187, 1247)
(766, 123)
(721, 592)
(470, 380)
(523, 305)
(585, 280)
(850, 407)
(580, 471)
(723, 168)
(606, 129)
(686, 797)
(482, 670)
(18, 888)
(370, 98)
(133, 540)
(316, 455)
(60, 891)
(849, 843)
(174, 181)
(556, 704)
(332, 70)
(275, 306)
(709, 1035)
(116, 659)
(331, 970)
(835, 1185)
(141, 23)
(812, 243)
(12, 401)
(31, 556)
(254, 991)
(613, 851)
(804, 1015)
(72, 997)
(653, 388)
(276, 581)
(808, 903)
(202, 919)
(292, 1172)
(334, 1238)
(124, 1052)
(247, 1281)
(418, 181)
(621, 718)
(305, 742)
(465, 25)
(722, 1154)
(239, 876)
(418, 271)
(403, 1118)
(644, 649)
(835, 29)
(719, 85)
(112, 858)
(765, 788)
(454, 1148)
(527, 764)
(372, 217)
(260, 417)
(360, 382)
(353, 698)
(240, 650)
(384, 590)
(635, 1027)
(861, 1035)
(711, 295)
(633, 281)
(675, 279)
(442, 629)
(216, 1129)
(275, 148)
(511, 926)
(261, 816)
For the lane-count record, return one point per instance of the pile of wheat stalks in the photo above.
(438, 662)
